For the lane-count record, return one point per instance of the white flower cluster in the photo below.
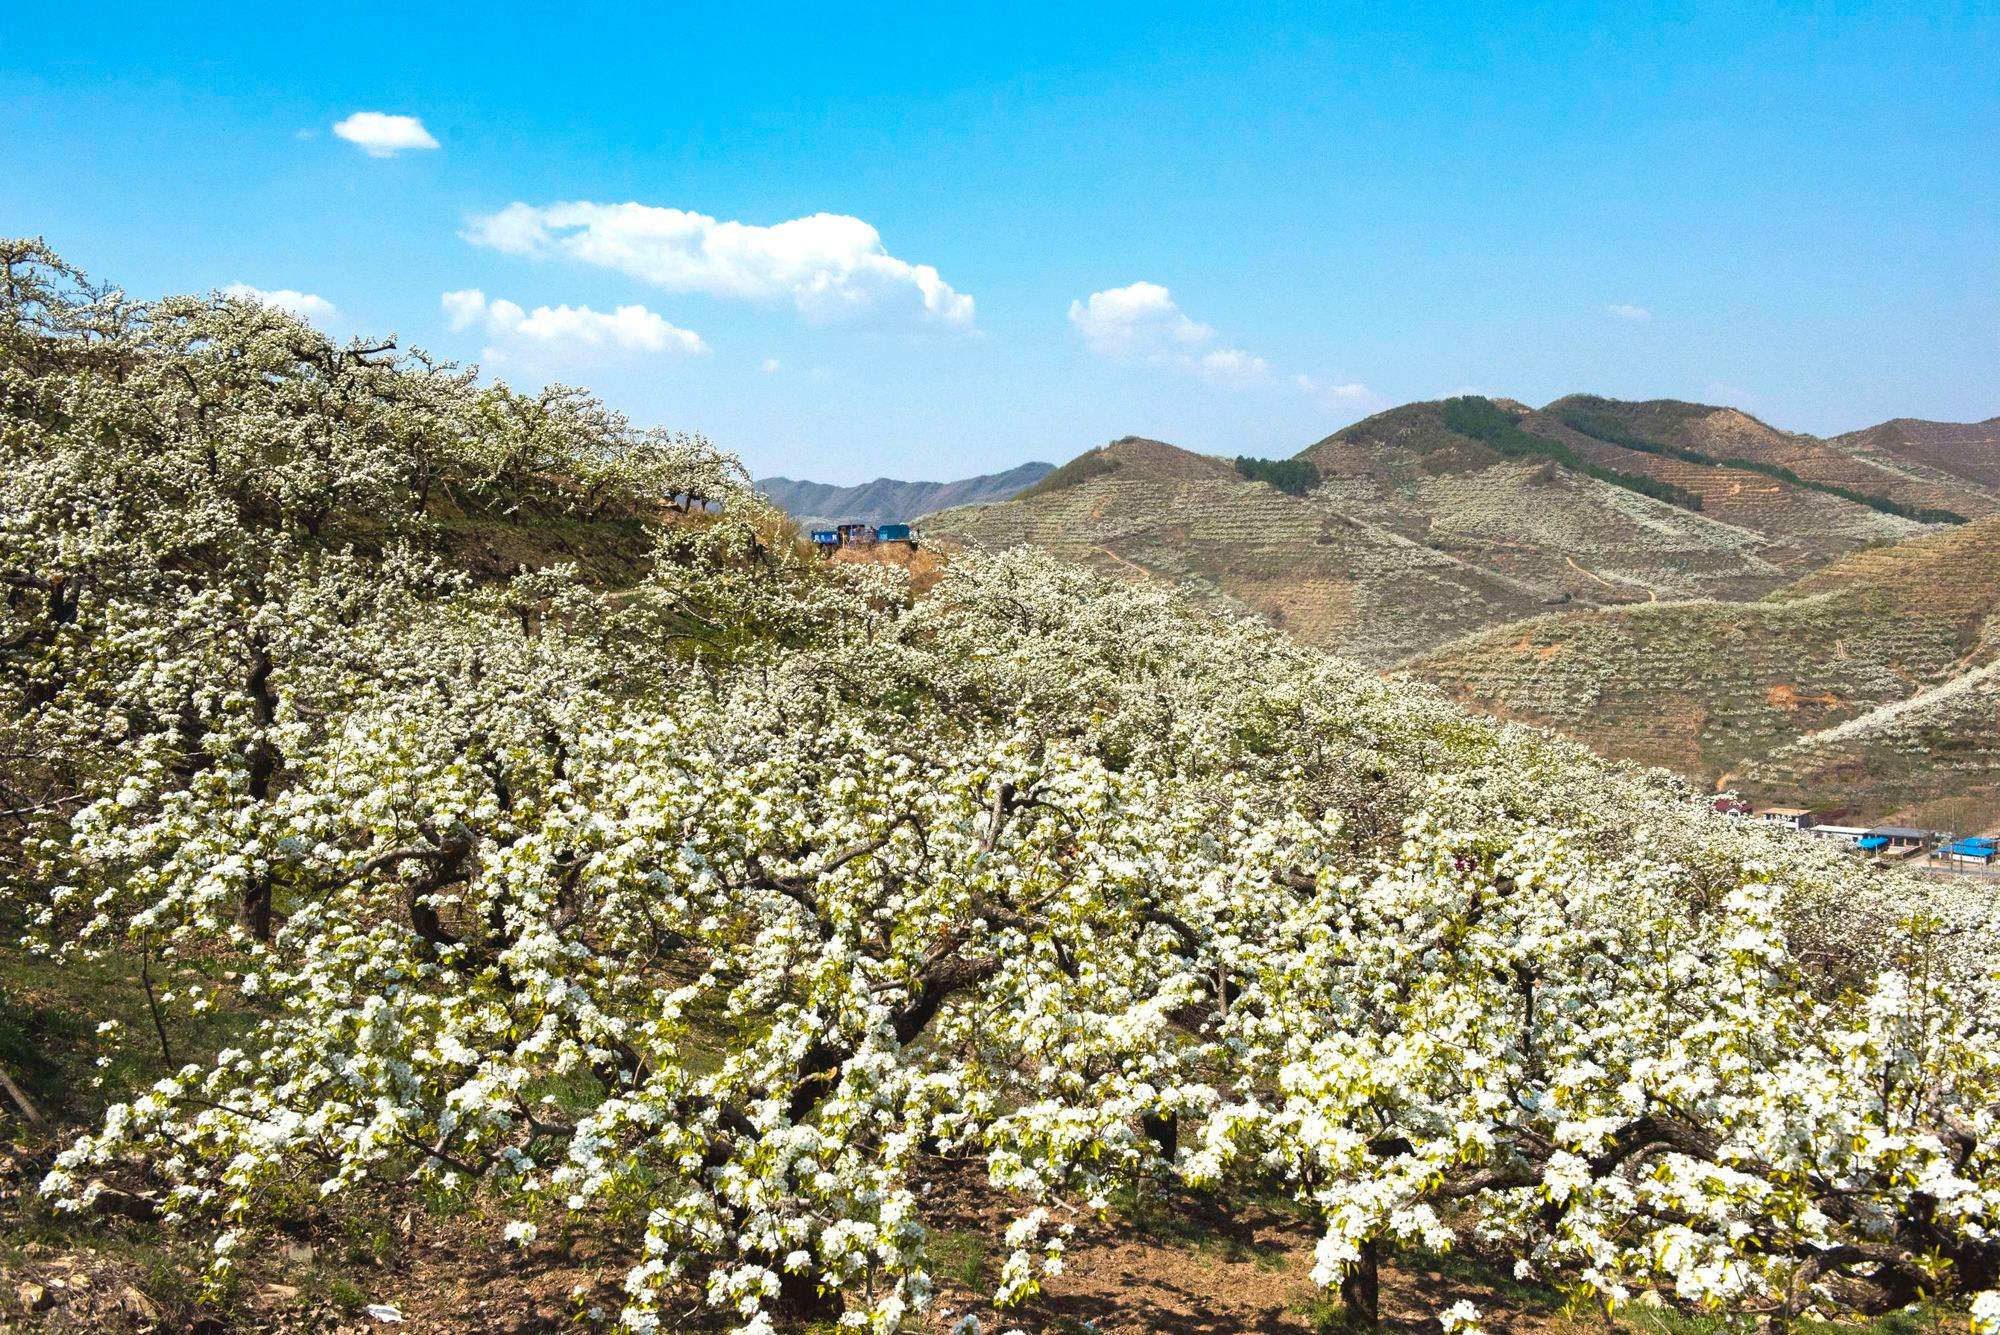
(711, 912)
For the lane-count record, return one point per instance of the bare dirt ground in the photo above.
(1174, 1264)
(1177, 1264)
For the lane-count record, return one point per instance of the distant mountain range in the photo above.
(1820, 602)
(887, 501)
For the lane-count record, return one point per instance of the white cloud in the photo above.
(465, 307)
(380, 135)
(1141, 321)
(1627, 311)
(1347, 392)
(566, 328)
(305, 305)
(829, 265)
(1233, 366)
(772, 366)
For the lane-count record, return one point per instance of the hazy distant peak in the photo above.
(889, 501)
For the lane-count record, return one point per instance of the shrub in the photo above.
(1485, 421)
(1294, 477)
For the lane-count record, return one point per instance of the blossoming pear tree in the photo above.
(712, 898)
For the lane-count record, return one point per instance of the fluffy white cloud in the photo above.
(1627, 311)
(464, 308)
(1142, 321)
(772, 366)
(380, 135)
(305, 305)
(1139, 319)
(629, 328)
(829, 265)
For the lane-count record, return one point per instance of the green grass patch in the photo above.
(50, 1011)
(1466, 1268)
(1189, 1226)
(960, 1254)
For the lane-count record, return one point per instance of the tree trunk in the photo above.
(263, 766)
(1361, 1290)
(800, 1297)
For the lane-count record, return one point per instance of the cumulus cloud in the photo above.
(381, 135)
(305, 305)
(566, 328)
(1138, 319)
(1627, 311)
(1142, 322)
(828, 265)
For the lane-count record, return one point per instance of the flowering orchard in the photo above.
(708, 899)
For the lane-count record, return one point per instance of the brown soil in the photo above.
(1181, 1265)
(1793, 700)
(925, 563)
(1177, 1264)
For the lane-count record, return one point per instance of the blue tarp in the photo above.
(1972, 848)
(1871, 842)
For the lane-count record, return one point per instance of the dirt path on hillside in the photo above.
(1132, 565)
(1587, 573)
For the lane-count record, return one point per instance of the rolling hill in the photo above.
(1674, 583)
(1435, 520)
(1143, 509)
(1967, 450)
(886, 501)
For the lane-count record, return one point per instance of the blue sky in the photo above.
(1236, 229)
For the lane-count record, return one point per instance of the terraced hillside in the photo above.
(1869, 682)
(1805, 527)
(1969, 450)
(1889, 461)
(1597, 541)
(1804, 619)
(1434, 520)
(1935, 756)
(1143, 509)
